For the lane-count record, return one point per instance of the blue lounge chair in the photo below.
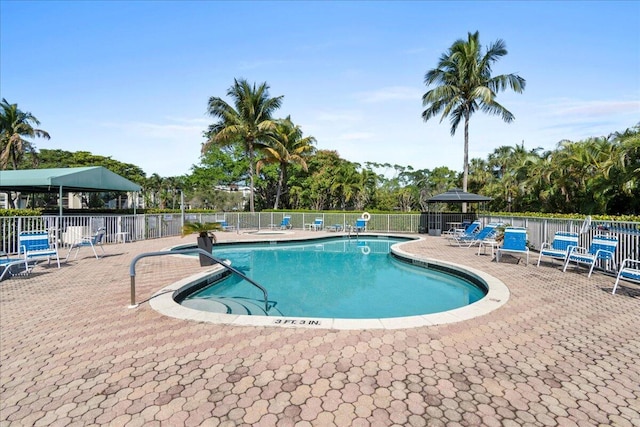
(35, 245)
(487, 233)
(562, 243)
(92, 242)
(224, 226)
(286, 223)
(602, 248)
(629, 270)
(7, 264)
(468, 231)
(515, 242)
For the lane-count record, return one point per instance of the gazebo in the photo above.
(59, 180)
(434, 221)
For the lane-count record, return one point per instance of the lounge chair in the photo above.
(286, 223)
(92, 242)
(7, 264)
(224, 226)
(629, 270)
(602, 248)
(515, 242)
(468, 231)
(487, 233)
(35, 245)
(361, 225)
(318, 224)
(559, 248)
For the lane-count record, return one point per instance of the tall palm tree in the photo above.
(248, 121)
(465, 85)
(16, 124)
(285, 146)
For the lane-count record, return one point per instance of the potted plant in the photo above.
(206, 237)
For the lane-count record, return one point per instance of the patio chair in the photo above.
(7, 264)
(487, 233)
(602, 248)
(35, 245)
(97, 240)
(286, 223)
(629, 270)
(224, 226)
(515, 242)
(559, 248)
(469, 231)
(361, 225)
(318, 224)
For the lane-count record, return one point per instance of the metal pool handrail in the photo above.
(132, 271)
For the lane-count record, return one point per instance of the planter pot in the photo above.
(205, 243)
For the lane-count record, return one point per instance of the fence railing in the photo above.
(69, 228)
(541, 230)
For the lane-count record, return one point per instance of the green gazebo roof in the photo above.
(85, 179)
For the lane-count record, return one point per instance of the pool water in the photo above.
(339, 278)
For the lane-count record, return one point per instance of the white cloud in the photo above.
(390, 94)
(190, 131)
(338, 116)
(355, 136)
(594, 108)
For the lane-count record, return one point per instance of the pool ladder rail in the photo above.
(132, 271)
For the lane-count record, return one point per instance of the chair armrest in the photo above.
(605, 254)
(579, 250)
(545, 245)
(632, 263)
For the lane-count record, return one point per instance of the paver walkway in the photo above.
(562, 351)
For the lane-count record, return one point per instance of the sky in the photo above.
(131, 80)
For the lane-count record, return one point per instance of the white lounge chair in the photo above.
(602, 248)
(35, 245)
(488, 232)
(92, 242)
(629, 270)
(515, 242)
(6, 264)
(559, 248)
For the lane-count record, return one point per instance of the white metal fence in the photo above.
(68, 229)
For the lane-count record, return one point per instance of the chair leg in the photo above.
(593, 264)
(615, 285)
(93, 248)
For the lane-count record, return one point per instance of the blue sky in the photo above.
(131, 80)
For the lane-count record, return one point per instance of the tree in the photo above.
(16, 124)
(465, 85)
(248, 121)
(285, 146)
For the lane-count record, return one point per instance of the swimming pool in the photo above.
(334, 278)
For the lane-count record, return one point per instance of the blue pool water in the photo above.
(339, 278)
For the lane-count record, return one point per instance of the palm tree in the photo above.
(14, 126)
(285, 146)
(465, 85)
(248, 121)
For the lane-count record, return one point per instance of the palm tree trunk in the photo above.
(251, 182)
(279, 191)
(465, 170)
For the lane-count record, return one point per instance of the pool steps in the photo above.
(231, 305)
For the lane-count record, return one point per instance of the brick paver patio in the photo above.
(562, 351)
